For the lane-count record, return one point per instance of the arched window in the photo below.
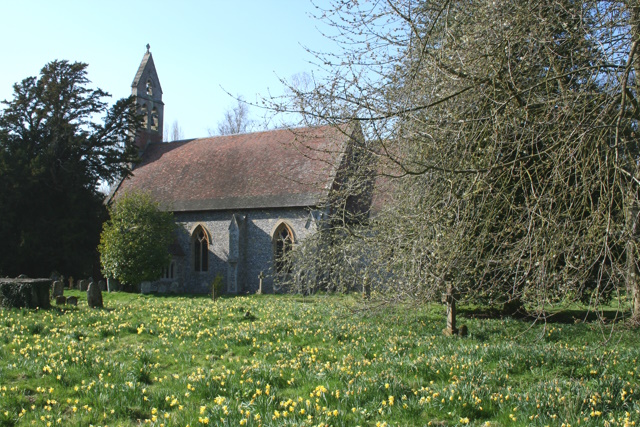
(282, 244)
(200, 250)
(154, 119)
(145, 116)
(169, 272)
(149, 88)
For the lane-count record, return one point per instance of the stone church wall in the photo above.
(255, 241)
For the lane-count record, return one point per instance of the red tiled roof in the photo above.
(279, 168)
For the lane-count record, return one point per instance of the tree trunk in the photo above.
(633, 284)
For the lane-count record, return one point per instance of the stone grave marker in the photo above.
(94, 295)
(58, 288)
(260, 276)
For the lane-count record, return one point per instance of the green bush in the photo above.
(134, 244)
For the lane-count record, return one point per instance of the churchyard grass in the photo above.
(288, 360)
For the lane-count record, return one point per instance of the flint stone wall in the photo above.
(253, 254)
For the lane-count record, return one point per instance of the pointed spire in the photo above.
(148, 92)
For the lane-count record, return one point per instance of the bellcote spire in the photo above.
(148, 93)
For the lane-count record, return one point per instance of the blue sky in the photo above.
(199, 48)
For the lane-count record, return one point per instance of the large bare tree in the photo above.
(236, 120)
(506, 135)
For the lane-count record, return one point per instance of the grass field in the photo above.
(286, 360)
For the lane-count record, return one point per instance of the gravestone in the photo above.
(58, 289)
(72, 301)
(112, 285)
(84, 285)
(94, 295)
(61, 300)
(260, 276)
(175, 288)
(103, 285)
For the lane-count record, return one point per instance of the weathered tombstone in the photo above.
(366, 287)
(58, 289)
(103, 285)
(449, 298)
(72, 301)
(94, 295)
(71, 282)
(112, 285)
(175, 288)
(260, 276)
(61, 300)
(464, 331)
(84, 285)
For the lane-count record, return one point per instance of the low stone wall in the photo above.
(29, 293)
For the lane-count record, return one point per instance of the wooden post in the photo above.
(366, 287)
(449, 298)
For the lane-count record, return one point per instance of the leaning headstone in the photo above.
(103, 285)
(72, 301)
(61, 300)
(58, 289)
(94, 295)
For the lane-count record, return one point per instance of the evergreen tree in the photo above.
(54, 153)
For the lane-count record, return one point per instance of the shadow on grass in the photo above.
(561, 316)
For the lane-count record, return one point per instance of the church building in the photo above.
(241, 201)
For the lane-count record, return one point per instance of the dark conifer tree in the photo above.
(55, 151)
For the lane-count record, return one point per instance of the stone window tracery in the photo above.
(169, 272)
(282, 245)
(200, 250)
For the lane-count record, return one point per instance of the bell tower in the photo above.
(148, 92)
